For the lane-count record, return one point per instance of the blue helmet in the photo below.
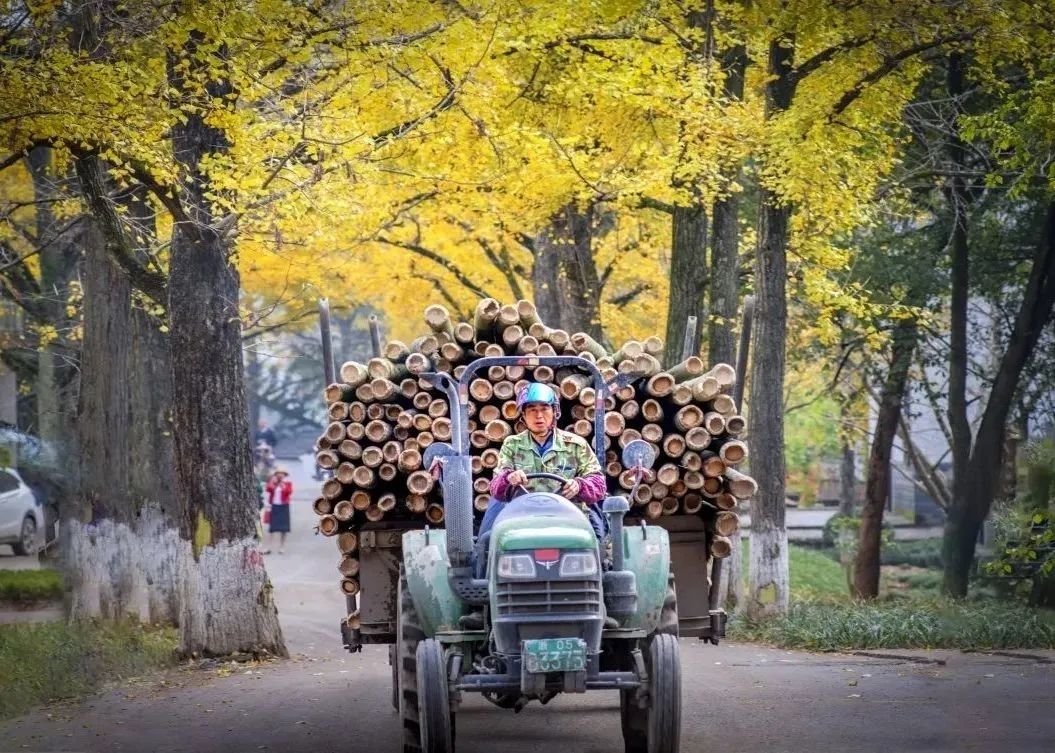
(537, 392)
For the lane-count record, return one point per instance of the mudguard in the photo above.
(648, 556)
(425, 564)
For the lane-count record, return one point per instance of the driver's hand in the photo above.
(570, 490)
(517, 478)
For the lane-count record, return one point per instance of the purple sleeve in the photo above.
(592, 488)
(499, 484)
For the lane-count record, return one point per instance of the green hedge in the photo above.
(55, 660)
(30, 585)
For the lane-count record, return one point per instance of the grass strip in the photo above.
(932, 623)
(30, 585)
(57, 660)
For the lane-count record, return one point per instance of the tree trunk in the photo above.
(877, 485)
(99, 570)
(725, 237)
(768, 569)
(227, 603)
(567, 286)
(847, 479)
(688, 279)
(973, 497)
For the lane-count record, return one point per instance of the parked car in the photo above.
(21, 515)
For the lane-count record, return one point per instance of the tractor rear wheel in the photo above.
(657, 728)
(405, 677)
(434, 705)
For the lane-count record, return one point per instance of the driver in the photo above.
(543, 448)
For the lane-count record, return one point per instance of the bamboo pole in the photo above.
(740, 485)
(653, 346)
(344, 473)
(353, 373)
(694, 480)
(628, 436)
(343, 511)
(374, 513)
(386, 502)
(481, 390)
(335, 432)
(347, 542)
(654, 509)
(630, 409)
(382, 368)
(652, 433)
(673, 445)
(714, 423)
(712, 487)
(687, 369)
(434, 514)
(387, 471)
(337, 411)
(704, 388)
(378, 431)
(322, 506)
(726, 523)
(651, 410)
(349, 566)
(582, 427)
(724, 404)
(438, 408)
(725, 501)
(425, 438)
(724, 373)
(583, 342)
(489, 458)
(659, 385)
(328, 525)
(332, 489)
(572, 385)
(441, 429)
(418, 363)
(480, 502)
(668, 473)
(464, 333)
(713, 466)
(614, 423)
(355, 431)
(337, 393)
(691, 503)
(356, 411)
(420, 482)
(439, 319)
(735, 425)
(504, 390)
(360, 499)
(689, 417)
(372, 457)
(691, 461)
(721, 547)
(396, 350)
(375, 412)
(733, 451)
(350, 586)
(630, 350)
(647, 365)
(416, 503)
(383, 389)
(670, 505)
(543, 374)
(327, 459)
(365, 477)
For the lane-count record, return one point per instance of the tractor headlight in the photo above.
(516, 566)
(578, 565)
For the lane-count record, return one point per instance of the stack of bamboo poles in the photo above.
(383, 415)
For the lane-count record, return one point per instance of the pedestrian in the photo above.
(266, 434)
(279, 491)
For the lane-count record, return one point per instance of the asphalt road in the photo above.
(736, 698)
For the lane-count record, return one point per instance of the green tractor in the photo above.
(562, 611)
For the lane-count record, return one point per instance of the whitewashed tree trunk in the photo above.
(767, 571)
(115, 571)
(228, 605)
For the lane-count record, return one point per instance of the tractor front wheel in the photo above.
(434, 707)
(657, 728)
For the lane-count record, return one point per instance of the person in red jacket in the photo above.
(279, 491)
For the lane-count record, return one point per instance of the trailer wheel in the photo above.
(408, 635)
(657, 728)
(434, 705)
(393, 661)
(668, 617)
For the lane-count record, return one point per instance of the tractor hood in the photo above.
(542, 521)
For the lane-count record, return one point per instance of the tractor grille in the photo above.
(542, 597)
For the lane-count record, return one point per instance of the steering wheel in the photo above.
(518, 490)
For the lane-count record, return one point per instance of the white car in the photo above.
(21, 516)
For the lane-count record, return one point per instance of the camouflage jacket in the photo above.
(569, 455)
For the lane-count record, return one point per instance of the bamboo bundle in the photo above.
(383, 414)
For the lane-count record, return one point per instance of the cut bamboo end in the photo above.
(628, 436)
(439, 319)
(350, 586)
(353, 373)
(360, 499)
(712, 464)
(652, 433)
(349, 449)
(337, 411)
(670, 505)
(583, 342)
(489, 458)
(644, 495)
(527, 313)
(543, 374)
(721, 547)
(740, 485)
(353, 621)
(694, 480)
(374, 513)
(441, 429)
(481, 390)
(465, 333)
(689, 417)
(653, 346)
(572, 385)
(733, 451)
(335, 432)
(332, 489)
(687, 369)
(422, 422)
(508, 316)
(425, 438)
(724, 374)
(692, 503)
(614, 423)
(724, 404)
(322, 506)
(420, 482)
(347, 542)
(338, 392)
(329, 525)
(395, 350)
(349, 566)
(691, 461)
(631, 349)
(704, 388)
(365, 478)
(434, 514)
(386, 502)
(725, 501)
(416, 503)
(735, 425)
(418, 363)
(496, 431)
(511, 336)
(327, 459)
(364, 393)
(726, 523)
(697, 439)
(480, 502)
(438, 408)
(711, 486)
(383, 389)
(387, 471)
(659, 385)
(668, 474)
(651, 410)
(355, 431)
(673, 445)
(654, 509)
(345, 473)
(681, 395)
(479, 440)
(382, 368)
(356, 411)
(630, 409)
(372, 457)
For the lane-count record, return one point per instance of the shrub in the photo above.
(919, 553)
(839, 525)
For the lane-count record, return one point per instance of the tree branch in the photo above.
(438, 259)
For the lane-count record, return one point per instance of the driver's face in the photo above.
(538, 417)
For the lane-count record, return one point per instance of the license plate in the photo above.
(555, 655)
